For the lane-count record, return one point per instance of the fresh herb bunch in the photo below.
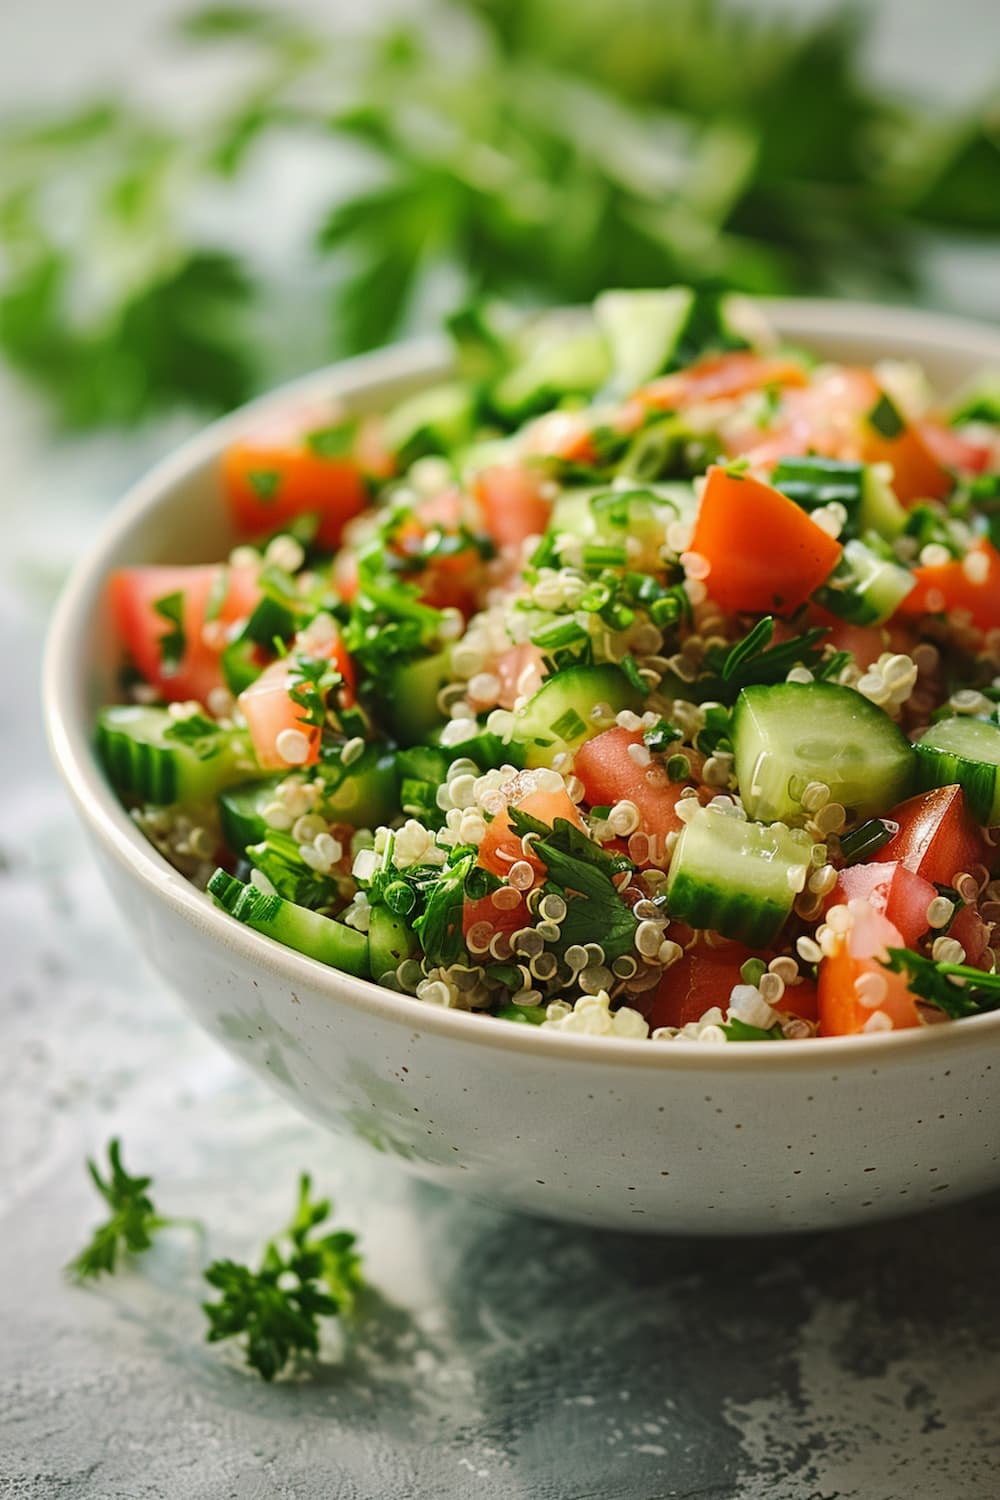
(131, 1226)
(303, 1277)
(513, 151)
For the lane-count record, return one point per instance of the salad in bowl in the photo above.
(641, 680)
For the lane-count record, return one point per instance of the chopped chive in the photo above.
(866, 839)
(569, 726)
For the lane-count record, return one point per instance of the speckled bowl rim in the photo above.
(70, 740)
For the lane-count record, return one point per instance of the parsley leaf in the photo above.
(583, 872)
(173, 642)
(131, 1225)
(198, 732)
(265, 483)
(957, 989)
(302, 1277)
(741, 1031)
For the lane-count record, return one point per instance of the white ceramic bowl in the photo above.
(690, 1138)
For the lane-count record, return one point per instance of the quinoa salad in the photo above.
(641, 680)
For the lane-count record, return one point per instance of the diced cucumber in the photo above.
(880, 511)
(363, 793)
(436, 420)
(148, 754)
(978, 401)
(610, 515)
(812, 481)
(390, 941)
(308, 932)
(558, 360)
(408, 697)
(241, 811)
(736, 877)
(865, 589)
(862, 489)
(643, 330)
(569, 709)
(792, 733)
(966, 751)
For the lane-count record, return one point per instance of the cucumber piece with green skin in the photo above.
(865, 589)
(862, 489)
(561, 716)
(308, 932)
(966, 751)
(736, 877)
(789, 734)
(880, 511)
(391, 940)
(408, 697)
(146, 755)
(363, 793)
(558, 361)
(437, 420)
(643, 330)
(609, 515)
(241, 811)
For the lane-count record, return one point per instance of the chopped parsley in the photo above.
(173, 642)
(956, 989)
(885, 418)
(265, 483)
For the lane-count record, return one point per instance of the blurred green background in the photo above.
(285, 186)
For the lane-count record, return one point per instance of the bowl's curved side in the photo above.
(699, 1149)
(613, 1132)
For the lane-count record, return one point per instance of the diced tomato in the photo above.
(273, 475)
(509, 917)
(937, 838)
(971, 583)
(449, 579)
(969, 929)
(501, 846)
(800, 1000)
(609, 774)
(953, 450)
(764, 552)
(891, 888)
(832, 416)
(269, 708)
(133, 594)
(721, 376)
(842, 1011)
(560, 434)
(701, 977)
(513, 503)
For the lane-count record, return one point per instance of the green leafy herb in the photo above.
(198, 732)
(957, 989)
(741, 1031)
(277, 856)
(336, 441)
(757, 171)
(439, 927)
(749, 662)
(132, 1223)
(303, 1276)
(885, 418)
(173, 642)
(582, 871)
(265, 483)
(312, 679)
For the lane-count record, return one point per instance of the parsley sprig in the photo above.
(303, 1277)
(132, 1223)
(957, 989)
(581, 871)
